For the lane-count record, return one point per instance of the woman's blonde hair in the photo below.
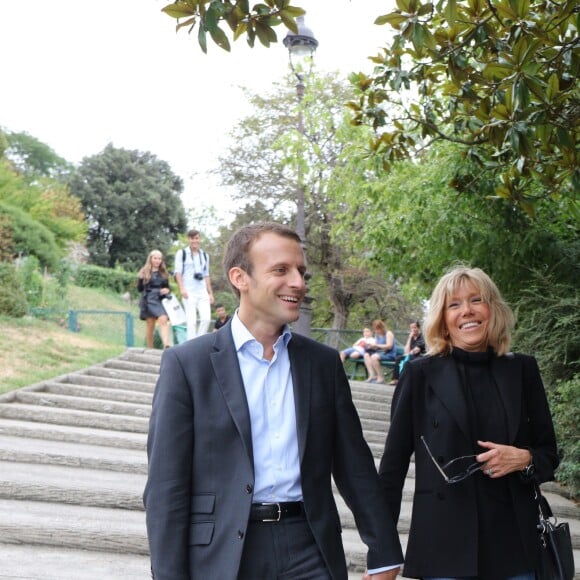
(146, 270)
(501, 321)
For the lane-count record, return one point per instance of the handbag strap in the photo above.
(544, 509)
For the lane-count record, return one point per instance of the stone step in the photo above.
(116, 374)
(77, 527)
(376, 426)
(109, 394)
(95, 380)
(145, 355)
(71, 485)
(42, 452)
(74, 417)
(380, 412)
(44, 399)
(74, 434)
(23, 562)
(129, 365)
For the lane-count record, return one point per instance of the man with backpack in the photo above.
(192, 276)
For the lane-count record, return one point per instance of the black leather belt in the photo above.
(274, 512)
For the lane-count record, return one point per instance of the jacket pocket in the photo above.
(201, 533)
(203, 504)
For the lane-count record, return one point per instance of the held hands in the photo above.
(502, 459)
(164, 291)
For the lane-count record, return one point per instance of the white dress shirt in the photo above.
(270, 395)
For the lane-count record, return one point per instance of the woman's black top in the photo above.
(500, 547)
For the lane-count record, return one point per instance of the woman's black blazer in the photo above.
(429, 401)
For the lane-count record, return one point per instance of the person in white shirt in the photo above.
(249, 427)
(192, 276)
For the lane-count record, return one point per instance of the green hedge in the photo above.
(118, 281)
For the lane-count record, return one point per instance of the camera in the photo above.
(198, 276)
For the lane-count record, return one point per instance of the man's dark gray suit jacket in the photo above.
(201, 474)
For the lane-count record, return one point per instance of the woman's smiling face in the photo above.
(467, 318)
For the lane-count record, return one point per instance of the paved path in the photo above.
(73, 467)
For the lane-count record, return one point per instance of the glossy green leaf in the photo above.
(220, 38)
(202, 39)
(394, 19)
(178, 10)
(553, 87)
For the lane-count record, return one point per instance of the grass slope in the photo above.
(32, 350)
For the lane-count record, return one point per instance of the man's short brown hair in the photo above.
(193, 233)
(237, 251)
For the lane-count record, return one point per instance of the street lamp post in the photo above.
(301, 48)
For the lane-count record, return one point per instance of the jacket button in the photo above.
(440, 495)
(436, 423)
(249, 488)
(240, 534)
(440, 459)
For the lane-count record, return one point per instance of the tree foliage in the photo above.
(428, 214)
(268, 161)
(254, 22)
(34, 159)
(498, 77)
(39, 217)
(132, 203)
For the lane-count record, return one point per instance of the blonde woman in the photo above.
(153, 282)
(476, 418)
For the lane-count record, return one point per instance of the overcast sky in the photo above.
(78, 75)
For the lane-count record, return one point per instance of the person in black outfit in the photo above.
(222, 317)
(476, 418)
(414, 347)
(153, 282)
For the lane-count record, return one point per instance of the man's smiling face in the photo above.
(275, 289)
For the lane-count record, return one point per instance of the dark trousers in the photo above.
(284, 550)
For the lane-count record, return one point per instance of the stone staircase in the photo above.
(73, 467)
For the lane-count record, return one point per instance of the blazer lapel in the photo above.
(445, 382)
(301, 369)
(509, 381)
(227, 370)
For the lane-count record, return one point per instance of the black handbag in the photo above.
(556, 552)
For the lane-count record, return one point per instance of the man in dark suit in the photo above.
(248, 426)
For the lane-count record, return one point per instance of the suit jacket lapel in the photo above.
(227, 370)
(446, 385)
(300, 367)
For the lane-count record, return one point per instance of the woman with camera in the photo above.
(153, 282)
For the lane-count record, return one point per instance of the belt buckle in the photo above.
(279, 512)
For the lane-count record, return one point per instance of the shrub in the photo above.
(565, 406)
(31, 280)
(28, 236)
(548, 316)
(117, 281)
(12, 296)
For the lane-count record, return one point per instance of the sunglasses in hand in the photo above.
(466, 464)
